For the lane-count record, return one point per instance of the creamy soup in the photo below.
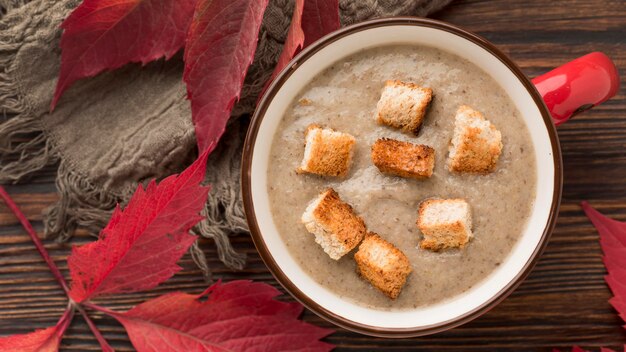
(344, 98)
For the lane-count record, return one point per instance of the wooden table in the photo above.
(564, 300)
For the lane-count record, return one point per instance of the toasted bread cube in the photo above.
(403, 159)
(382, 264)
(335, 225)
(476, 144)
(445, 223)
(327, 152)
(403, 105)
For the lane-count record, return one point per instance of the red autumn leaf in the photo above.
(294, 42)
(617, 253)
(220, 47)
(613, 243)
(319, 18)
(311, 20)
(107, 34)
(43, 340)
(140, 246)
(237, 316)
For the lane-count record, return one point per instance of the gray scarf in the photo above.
(111, 132)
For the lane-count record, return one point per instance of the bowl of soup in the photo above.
(337, 83)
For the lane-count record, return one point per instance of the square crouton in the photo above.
(445, 223)
(383, 265)
(403, 159)
(327, 152)
(476, 144)
(335, 225)
(403, 105)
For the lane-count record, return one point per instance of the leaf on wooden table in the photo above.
(236, 316)
(140, 246)
(220, 47)
(319, 17)
(107, 34)
(613, 243)
(43, 340)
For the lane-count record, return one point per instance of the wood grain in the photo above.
(564, 300)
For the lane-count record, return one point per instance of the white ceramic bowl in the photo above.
(482, 296)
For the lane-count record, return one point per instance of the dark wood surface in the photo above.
(564, 300)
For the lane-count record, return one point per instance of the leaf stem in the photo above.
(99, 308)
(33, 236)
(54, 269)
(94, 329)
(67, 317)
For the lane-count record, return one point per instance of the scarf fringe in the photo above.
(218, 229)
(24, 149)
(198, 257)
(80, 204)
(223, 212)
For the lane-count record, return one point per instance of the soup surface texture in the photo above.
(344, 97)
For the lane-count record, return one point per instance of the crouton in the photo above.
(403, 159)
(403, 105)
(476, 144)
(335, 225)
(382, 264)
(327, 152)
(445, 223)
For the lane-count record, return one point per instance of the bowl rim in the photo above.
(247, 156)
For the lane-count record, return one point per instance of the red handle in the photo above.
(578, 85)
